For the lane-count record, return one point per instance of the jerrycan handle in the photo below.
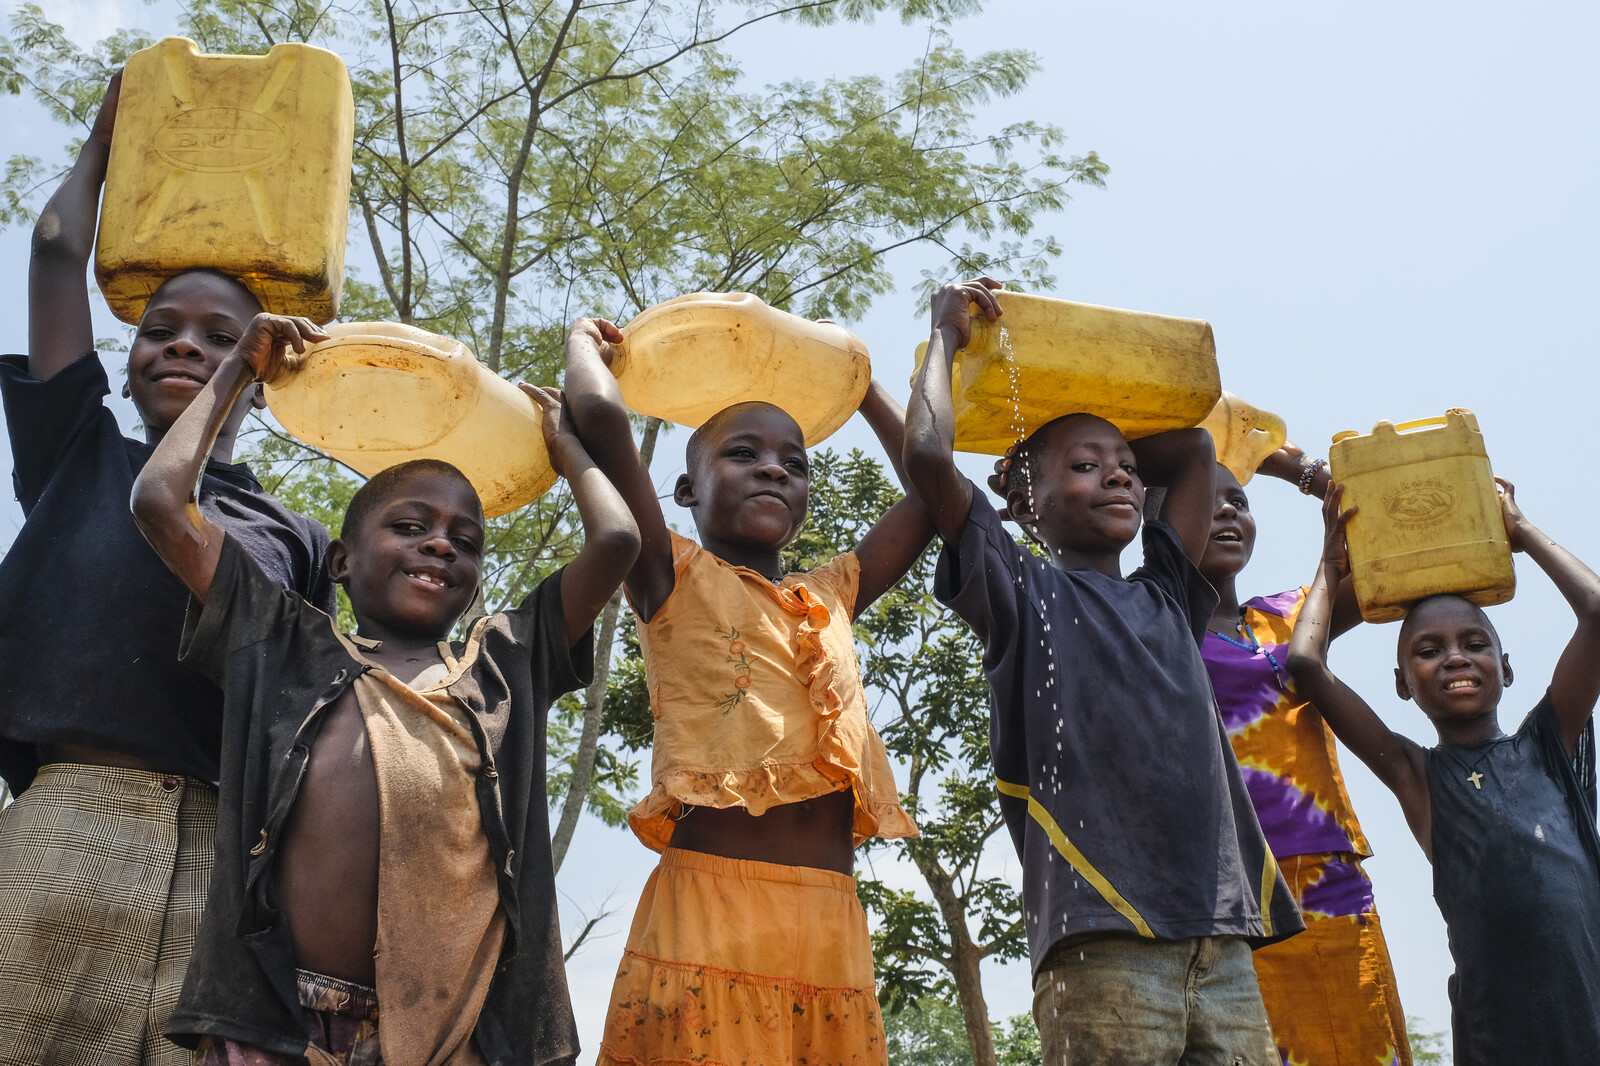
(619, 357)
(1417, 423)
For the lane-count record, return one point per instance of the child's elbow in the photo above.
(1304, 666)
(55, 243)
(616, 547)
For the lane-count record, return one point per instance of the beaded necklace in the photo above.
(1255, 647)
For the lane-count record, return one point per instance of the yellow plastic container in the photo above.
(688, 358)
(1244, 435)
(380, 393)
(1430, 519)
(240, 164)
(1144, 373)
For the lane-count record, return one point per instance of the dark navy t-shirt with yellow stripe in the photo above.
(1115, 775)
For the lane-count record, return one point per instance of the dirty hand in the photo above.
(556, 427)
(1516, 522)
(997, 480)
(106, 120)
(267, 340)
(952, 306)
(1335, 548)
(599, 335)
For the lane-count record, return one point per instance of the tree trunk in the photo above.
(965, 960)
(594, 698)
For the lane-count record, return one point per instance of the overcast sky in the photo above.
(1384, 209)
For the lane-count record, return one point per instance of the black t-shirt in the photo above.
(1115, 775)
(281, 665)
(1516, 874)
(89, 633)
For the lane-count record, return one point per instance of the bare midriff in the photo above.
(815, 832)
(89, 756)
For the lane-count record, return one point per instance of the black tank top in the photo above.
(1516, 874)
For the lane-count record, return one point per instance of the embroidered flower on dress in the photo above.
(741, 669)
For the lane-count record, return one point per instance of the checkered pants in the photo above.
(103, 876)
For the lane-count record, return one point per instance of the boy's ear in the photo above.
(337, 560)
(1020, 507)
(258, 396)
(1505, 669)
(1401, 687)
(683, 491)
(127, 391)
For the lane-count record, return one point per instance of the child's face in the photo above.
(752, 482)
(1086, 494)
(1450, 661)
(191, 324)
(1233, 530)
(413, 566)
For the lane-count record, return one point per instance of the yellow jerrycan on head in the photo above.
(239, 164)
(1244, 435)
(381, 393)
(1046, 358)
(1430, 519)
(688, 358)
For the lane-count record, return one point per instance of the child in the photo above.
(749, 944)
(110, 745)
(1507, 821)
(1330, 992)
(1145, 875)
(385, 844)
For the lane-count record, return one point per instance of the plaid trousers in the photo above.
(103, 876)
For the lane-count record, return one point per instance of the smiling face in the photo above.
(1450, 662)
(749, 478)
(1233, 530)
(190, 325)
(412, 560)
(1086, 499)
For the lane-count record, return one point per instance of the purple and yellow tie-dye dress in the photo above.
(1330, 991)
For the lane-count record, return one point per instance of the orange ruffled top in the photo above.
(757, 697)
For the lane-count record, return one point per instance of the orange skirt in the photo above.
(732, 962)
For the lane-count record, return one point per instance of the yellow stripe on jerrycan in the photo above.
(1244, 435)
(688, 358)
(239, 164)
(381, 393)
(1430, 519)
(1046, 358)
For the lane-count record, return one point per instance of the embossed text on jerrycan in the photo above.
(240, 164)
(1145, 373)
(381, 393)
(688, 358)
(1243, 435)
(1430, 519)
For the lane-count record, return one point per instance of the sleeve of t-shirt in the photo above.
(539, 625)
(1545, 727)
(977, 576)
(840, 577)
(43, 417)
(244, 608)
(1169, 568)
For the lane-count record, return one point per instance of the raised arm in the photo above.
(891, 546)
(59, 326)
(610, 536)
(1184, 462)
(600, 419)
(930, 422)
(1399, 762)
(1575, 685)
(166, 503)
(1310, 476)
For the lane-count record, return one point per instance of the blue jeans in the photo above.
(1132, 1001)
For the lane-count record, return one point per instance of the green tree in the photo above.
(519, 163)
(932, 1033)
(1428, 1048)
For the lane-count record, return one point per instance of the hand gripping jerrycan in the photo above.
(381, 393)
(1046, 358)
(1243, 435)
(1430, 519)
(688, 358)
(239, 164)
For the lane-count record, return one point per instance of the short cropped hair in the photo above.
(1406, 625)
(243, 290)
(385, 483)
(1019, 473)
(694, 453)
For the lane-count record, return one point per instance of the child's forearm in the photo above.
(59, 326)
(593, 397)
(928, 457)
(165, 500)
(610, 539)
(1313, 631)
(888, 421)
(1578, 584)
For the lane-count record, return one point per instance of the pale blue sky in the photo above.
(1384, 209)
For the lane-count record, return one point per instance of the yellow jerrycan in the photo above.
(1243, 435)
(1046, 358)
(1430, 519)
(381, 393)
(688, 358)
(239, 164)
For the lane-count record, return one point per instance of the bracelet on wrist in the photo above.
(1308, 474)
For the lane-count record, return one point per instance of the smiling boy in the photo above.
(109, 743)
(1146, 878)
(1508, 822)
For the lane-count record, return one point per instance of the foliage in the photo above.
(1427, 1048)
(930, 1033)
